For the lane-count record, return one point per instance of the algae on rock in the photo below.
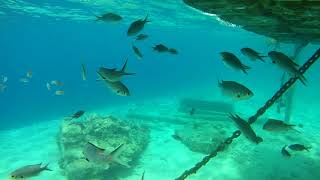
(105, 132)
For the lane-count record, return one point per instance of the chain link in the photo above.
(252, 119)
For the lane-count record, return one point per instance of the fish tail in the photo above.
(46, 168)
(261, 58)
(98, 18)
(245, 69)
(146, 19)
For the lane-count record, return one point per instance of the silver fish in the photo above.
(98, 156)
(246, 129)
(232, 61)
(136, 26)
(235, 90)
(277, 126)
(137, 52)
(252, 54)
(29, 171)
(118, 88)
(112, 75)
(84, 72)
(286, 64)
(109, 17)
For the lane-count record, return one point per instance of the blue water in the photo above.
(55, 49)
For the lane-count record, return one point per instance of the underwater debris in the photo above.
(299, 147)
(107, 132)
(109, 17)
(235, 90)
(284, 152)
(29, 171)
(286, 64)
(137, 52)
(137, 26)
(234, 62)
(252, 54)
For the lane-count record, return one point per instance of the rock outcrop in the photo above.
(105, 132)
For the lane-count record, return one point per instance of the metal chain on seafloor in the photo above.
(252, 119)
(207, 158)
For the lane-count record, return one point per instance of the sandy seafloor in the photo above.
(166, 158)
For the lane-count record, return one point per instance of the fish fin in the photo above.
(124, 67)
(96, 146)
(146, 19)
(302, 79)
(308, 148)
(245, 68)
(114, 156)
(121, 162)
(261, 58)
(87, 159)
(46, 167)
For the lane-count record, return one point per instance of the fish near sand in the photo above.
(83, 72)
(277, 126)
(137, 52)
(112, 75)
(29, 171)
(245, 128)
(98, 156)
(136, 26)
(234, 62)
(141, 37)
(235, 90)
(160, 48)
(109, 17)
(76, 115)
(299, 147)
(252, 54)
(287, 64)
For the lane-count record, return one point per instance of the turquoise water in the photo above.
(53, 39)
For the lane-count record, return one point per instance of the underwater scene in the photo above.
(159, 90)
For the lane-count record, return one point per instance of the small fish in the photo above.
(112, 75)
(83, 72)
(246, 129)
(142, 177)
(141, 37)
(284, 152)
(287, 64)
(48, 86)
(29, 171)
(109, 17)
(137, 52)
(118, 88)
(136, 26)
(192, 111)
(2, 87)
(98, 156)
(29, 74)
(59, 92)
(277, 126)
(4, 79)
(160, 48)
(299, 147)
(235, 90)
(232, 61)
(76, 115)
(252, 54)
(173, 51)
(56, 83)
(24, 80)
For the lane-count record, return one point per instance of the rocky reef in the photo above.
(105, 132)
